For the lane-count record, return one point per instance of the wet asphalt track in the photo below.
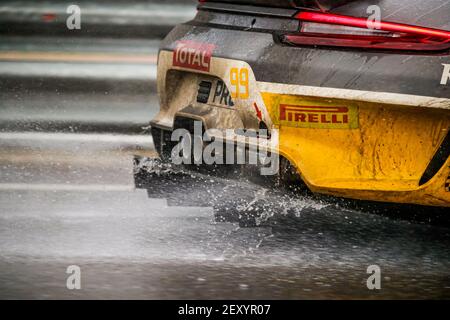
(141, 229)
(72, 195)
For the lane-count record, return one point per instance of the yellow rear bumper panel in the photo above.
(362, 150)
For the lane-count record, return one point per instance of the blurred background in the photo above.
(98, 78)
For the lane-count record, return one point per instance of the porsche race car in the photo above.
(354, 95)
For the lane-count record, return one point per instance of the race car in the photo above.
(353, 95)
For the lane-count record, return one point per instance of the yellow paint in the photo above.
(239, 82)
(380, 156)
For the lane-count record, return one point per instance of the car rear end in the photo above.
(360, 106)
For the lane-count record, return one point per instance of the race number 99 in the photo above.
(239, 83)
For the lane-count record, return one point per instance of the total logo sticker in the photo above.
(193, 55)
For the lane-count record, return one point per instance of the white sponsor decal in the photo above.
(445, 74)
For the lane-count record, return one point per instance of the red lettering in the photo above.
(314, 114)
(300, 117)
(313, 117)
(193, 55)
(334, 119)
(323, 119)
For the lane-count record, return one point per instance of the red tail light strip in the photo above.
(362, 23)
(397, 36)
(365, 42)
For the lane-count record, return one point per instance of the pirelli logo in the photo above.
(326, 117)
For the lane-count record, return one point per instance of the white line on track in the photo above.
(83, 71)
(77, 137)
(63, 187)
